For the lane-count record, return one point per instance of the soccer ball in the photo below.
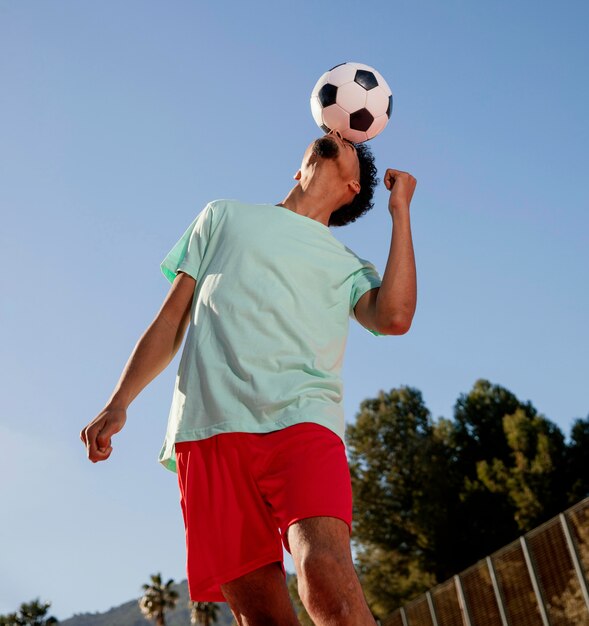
(354, 99)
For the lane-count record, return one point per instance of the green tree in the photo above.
(532, 478)
(480, 520)
(478, 419)
(391, 453)
(431, 498)
(32, 613)
(399, 467)
(390, 578)
(577, 466)
(157, 599)
(203, 612)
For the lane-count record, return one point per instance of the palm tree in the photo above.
(157, 598)
(32, 613)
(203, 612)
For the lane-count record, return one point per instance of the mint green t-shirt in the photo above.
(268, 324)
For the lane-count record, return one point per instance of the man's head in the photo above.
(362, 201)
(345, 173)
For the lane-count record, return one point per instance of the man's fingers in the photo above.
(98, 446)
(391, 176)
(97, 434)
(93, 443)
(103, 440)
(101, 455)
(90, 443)
(398, 172)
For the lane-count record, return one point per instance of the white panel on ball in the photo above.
(351, 97)
(357, 136)
(377, 126)
(316, 110)
(335, 118)
(342, 74)
(377, 101)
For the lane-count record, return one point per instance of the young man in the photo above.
(256, 426)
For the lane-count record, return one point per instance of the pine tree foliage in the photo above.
(431, 498)
(532, 477)
(577, 467)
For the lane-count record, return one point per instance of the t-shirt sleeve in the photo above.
(365, 279)
(188, 252)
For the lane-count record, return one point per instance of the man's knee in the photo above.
(327, 582)
(260, 597)
(331, 592)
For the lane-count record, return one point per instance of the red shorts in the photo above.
(241, 491)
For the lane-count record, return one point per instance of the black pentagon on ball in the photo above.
(366, 79)
(390, 107)
(327, 95)
(361, 120)
(325, 128)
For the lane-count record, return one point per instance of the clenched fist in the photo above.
(97, 435)
(401, 185)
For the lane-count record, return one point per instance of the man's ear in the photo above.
(297, 176)
(355, 186)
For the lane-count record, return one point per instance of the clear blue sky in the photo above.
(119, 121)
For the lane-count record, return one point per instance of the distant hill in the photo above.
(128, 614)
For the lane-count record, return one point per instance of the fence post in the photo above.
(432, 610)
(575, 557)
(462, 601)
(498, 594)
(534, 579)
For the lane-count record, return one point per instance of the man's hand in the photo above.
(96, 436)
(401, 185)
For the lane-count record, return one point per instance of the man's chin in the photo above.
(326, 147)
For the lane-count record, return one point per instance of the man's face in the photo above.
(334, 147)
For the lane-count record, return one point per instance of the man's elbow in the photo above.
(397, 326)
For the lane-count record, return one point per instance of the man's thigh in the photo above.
(307, 476)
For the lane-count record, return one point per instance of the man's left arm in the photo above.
(390, 308)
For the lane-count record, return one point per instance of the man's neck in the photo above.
(315, 206)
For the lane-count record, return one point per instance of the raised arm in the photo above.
(390, 308)
(155, 349)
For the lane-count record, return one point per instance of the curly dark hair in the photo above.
(362, 203)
